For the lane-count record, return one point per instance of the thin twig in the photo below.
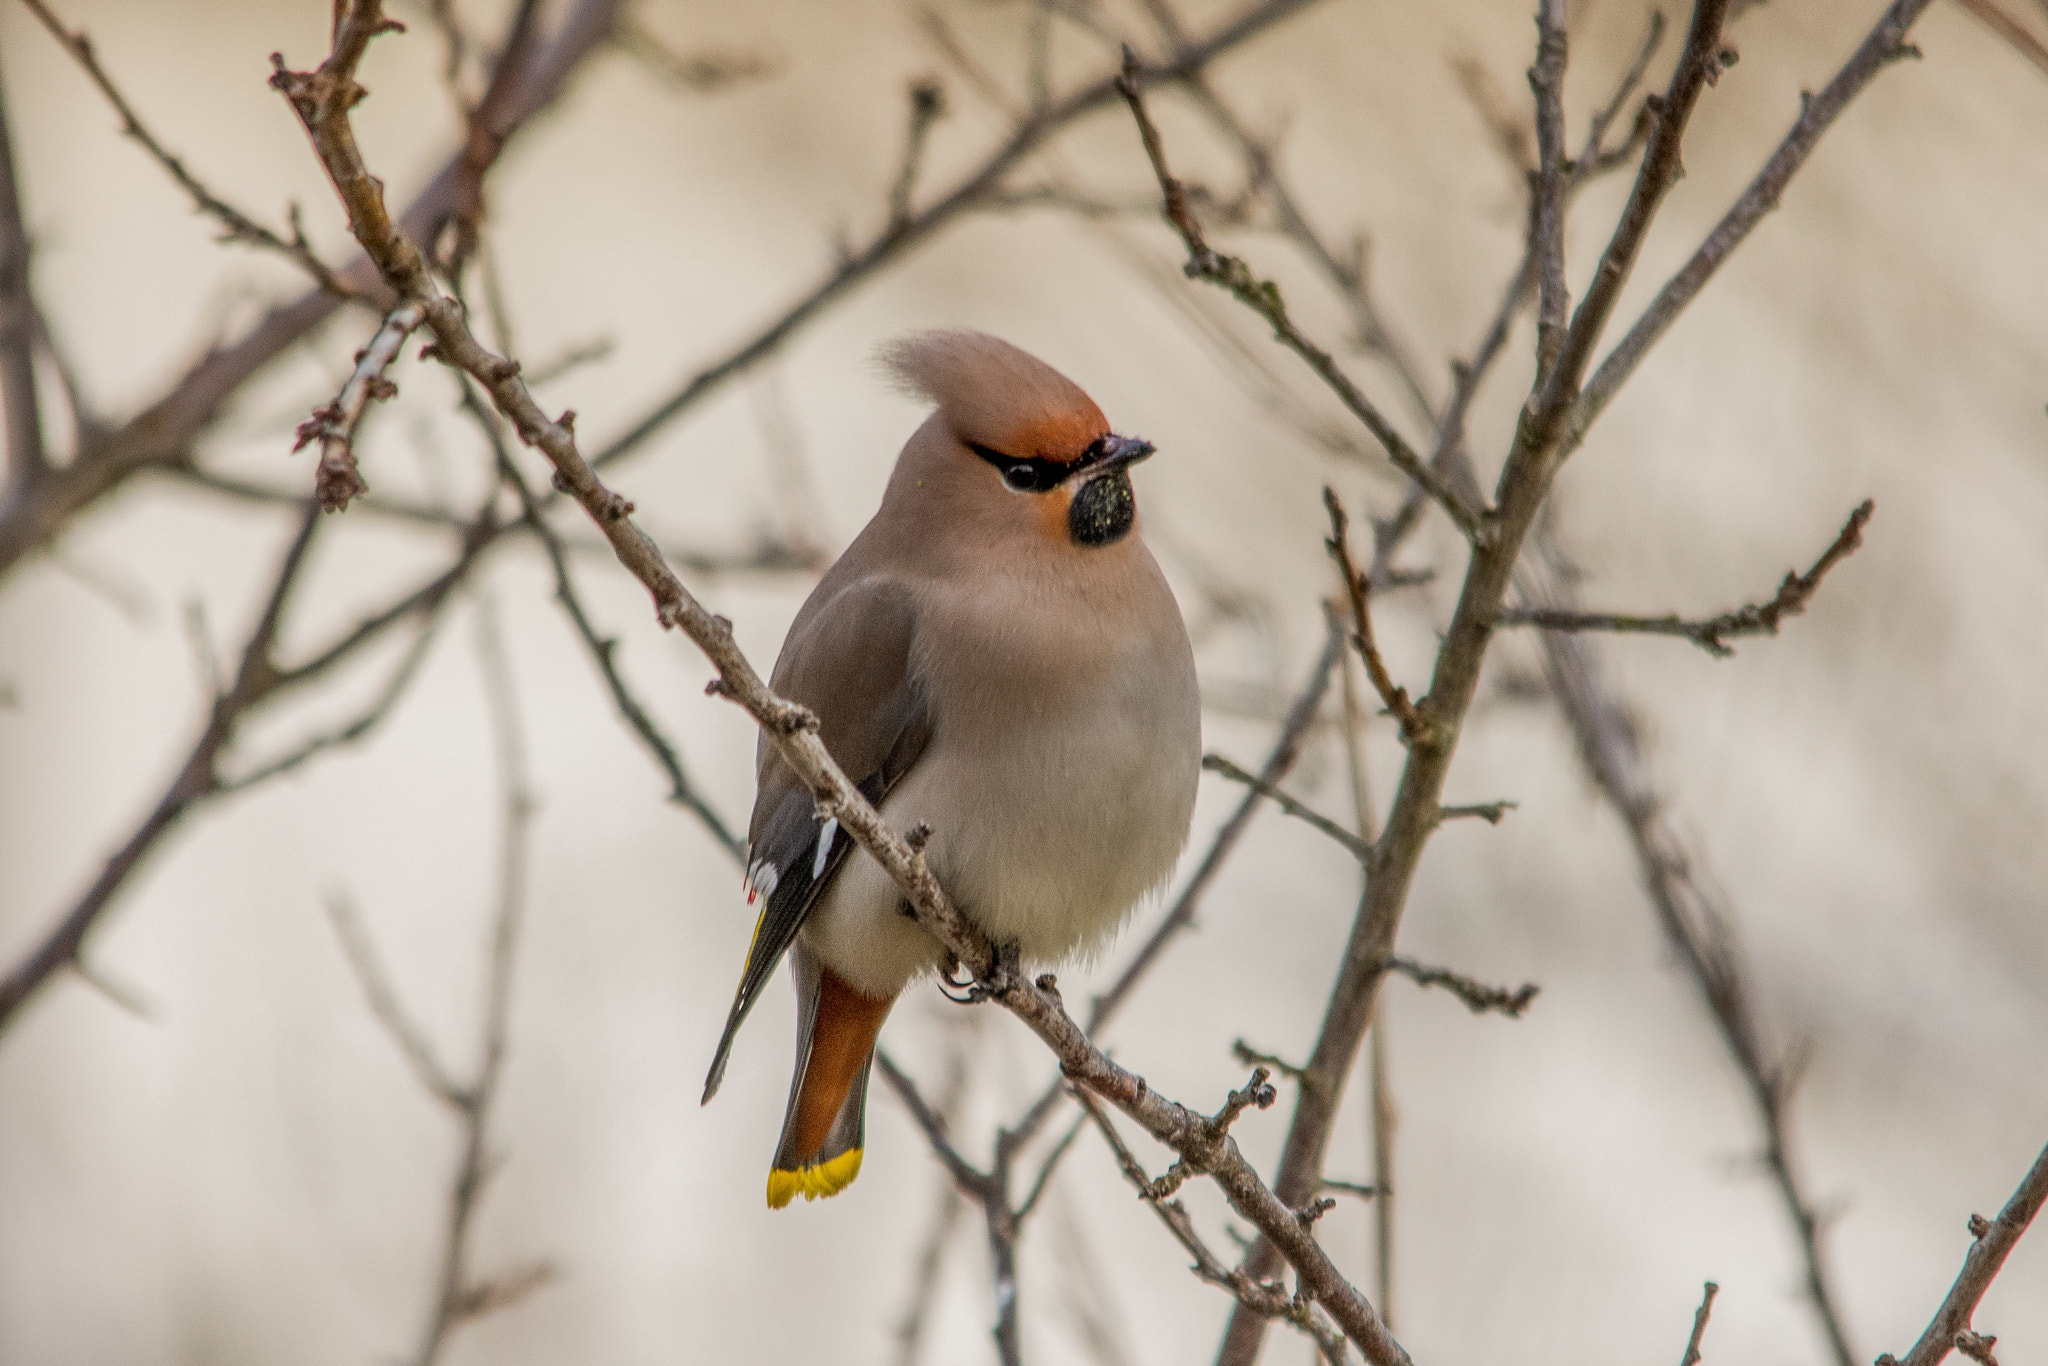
(1885, 44)
(699, 72)
(1477, 995)
(462, 1295)
(237, 226)
(1358, 591)
(603, 649)
(337, 479)
(197, 780)
(1689, 911)
(1699, 1325)
(1263, 298)
(1265, 1298)
(927, 107)
(1713, 633)
(1359, 849)
(1992, 1241)
(1523, 486)
(427, 1068)
(1546, 79)
(525, 81)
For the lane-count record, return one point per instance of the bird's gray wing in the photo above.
(848, 658)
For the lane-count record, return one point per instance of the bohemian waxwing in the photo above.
(997, 656)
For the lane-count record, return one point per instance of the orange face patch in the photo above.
(1052, 509)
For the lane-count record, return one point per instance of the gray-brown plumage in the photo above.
(997, 656)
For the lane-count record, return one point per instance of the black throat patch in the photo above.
(1103, 509)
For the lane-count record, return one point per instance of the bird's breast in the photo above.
(1065, 755)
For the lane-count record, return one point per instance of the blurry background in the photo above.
(245, 1170)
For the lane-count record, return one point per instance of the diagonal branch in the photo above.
(1358, 589)
(1885, 44)
(1263, 298)
(526, 80)
(322, 98)
(1265, 1298)
(1992, 1241)
(236, 225)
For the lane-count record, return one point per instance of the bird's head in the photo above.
(1015, 446)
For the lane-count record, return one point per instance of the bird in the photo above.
(998, 657)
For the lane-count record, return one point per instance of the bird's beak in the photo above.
(1113, 451)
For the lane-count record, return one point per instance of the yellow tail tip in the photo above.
(813, 1183)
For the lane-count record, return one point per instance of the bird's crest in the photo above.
(996, 395)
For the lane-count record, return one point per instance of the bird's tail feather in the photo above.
(823, 1129)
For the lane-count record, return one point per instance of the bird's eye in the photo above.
(1020, 477)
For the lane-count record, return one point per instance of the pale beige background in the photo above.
(251, 1175)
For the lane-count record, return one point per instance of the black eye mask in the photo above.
(1033, 475)
(1104, 507)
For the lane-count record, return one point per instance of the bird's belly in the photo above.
(1049, 843)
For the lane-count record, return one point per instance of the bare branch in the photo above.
(2014, 34)
(1490, 812)
(1886, 43)
(334, 426)
(1263, 298)
(603, 649)
(1546, 79)
(237, 226)
(432, 1075)
(1524, 484)
(971, 1180)
(927, 107)
(1690, 913)
(1358, 589)
(462, 1295)
(702, 73)
(351, 732)
(1712, 634)
(526, 79)
(1699, 1325)
(1992, 1241)
(197, 780)
(1267, 1299)
(1360, 849)
(1477, 996)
